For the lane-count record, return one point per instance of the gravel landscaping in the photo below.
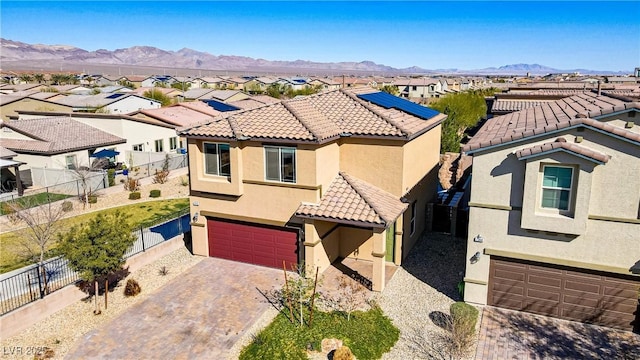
(61, 331)
(420, 292)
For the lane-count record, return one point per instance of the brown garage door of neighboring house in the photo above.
(253, 243)
(563, 292)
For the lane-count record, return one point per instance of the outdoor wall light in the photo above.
(474, 259)
(478, 239)
(195, 217)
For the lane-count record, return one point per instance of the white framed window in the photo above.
(412, 222)
(217, 159)
(280, 163)
(70, 162)
(138, 147)
(556, 187)
(159, 145)
(173, 143)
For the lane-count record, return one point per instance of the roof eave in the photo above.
(362, 224)
(563, 150)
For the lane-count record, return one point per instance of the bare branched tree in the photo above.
(42, 226)
(83, 175)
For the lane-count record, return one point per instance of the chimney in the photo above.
(599, 87)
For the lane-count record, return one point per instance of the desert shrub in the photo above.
(462, 329)
(93, 199)
(132, 184)
(184, 181)
(163, 271)
(67, 206)
(134, 195)
(111, 175)
(465, 313)
(343, 353)
(154, 193)
(132, 288)
(160, 177)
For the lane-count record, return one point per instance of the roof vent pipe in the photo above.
(599, 87)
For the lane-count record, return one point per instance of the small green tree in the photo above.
(391, 89)
(96, 249)
(464, 110)
(158, 95)
(181, 86)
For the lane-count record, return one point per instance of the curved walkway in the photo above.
(199, 315)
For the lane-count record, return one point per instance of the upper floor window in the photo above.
(217, 159)
(138, 147)
(160, 145)
(556, 187)
(280, 163)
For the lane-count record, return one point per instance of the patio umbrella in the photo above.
(105, 153)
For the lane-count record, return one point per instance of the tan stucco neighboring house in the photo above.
(314, 179)
(554, 224)
(9, 104)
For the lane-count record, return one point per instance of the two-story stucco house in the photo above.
(311, 180)
(554, 223)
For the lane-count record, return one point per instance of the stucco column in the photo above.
(199, 235)
(312, 248)
(378, 253)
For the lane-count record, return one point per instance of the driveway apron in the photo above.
(506, 334)
(198, 315)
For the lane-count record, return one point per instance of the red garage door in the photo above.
(252, 243)
(567, 293)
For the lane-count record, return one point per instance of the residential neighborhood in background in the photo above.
(314, 170)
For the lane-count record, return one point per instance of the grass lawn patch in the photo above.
(32, 200)
(140, 214)
(368, 334)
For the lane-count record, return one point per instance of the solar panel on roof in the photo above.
(220, 106)
(389, 101)
(114, 96)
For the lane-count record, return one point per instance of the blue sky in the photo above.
(432, 35)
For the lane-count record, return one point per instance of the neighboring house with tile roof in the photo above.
(57, 143)
(9, 104)
(117, 103)
(555, 210)
(141, 134)
(312, 180)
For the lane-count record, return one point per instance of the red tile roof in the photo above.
(352, 200)
(570, 111)
(317, 118)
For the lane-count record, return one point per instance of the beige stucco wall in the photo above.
(378, 162)
(419, 157)
(28, 104)
(611, 190)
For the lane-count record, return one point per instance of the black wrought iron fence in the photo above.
(28, 284)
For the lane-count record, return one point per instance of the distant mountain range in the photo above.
(14, 53)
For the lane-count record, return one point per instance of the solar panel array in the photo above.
(389, 101)
(220, 106)
(114, 96)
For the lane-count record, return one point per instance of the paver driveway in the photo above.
(198, 315)
(506, 334)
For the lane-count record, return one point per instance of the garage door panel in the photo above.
(543, 295)
(568, 293)
(549, 308)
(252, 243)
(536, 279)
(505, 274)
(572, 284)
(513, 288)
